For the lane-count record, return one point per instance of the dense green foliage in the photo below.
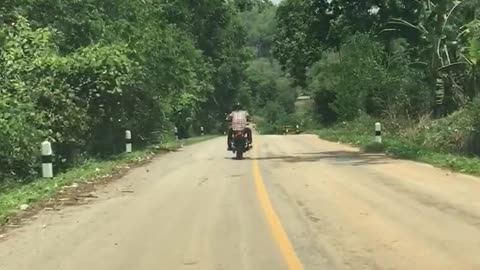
(80, 73)
(399, 62)
(266, 90)
(357, 133)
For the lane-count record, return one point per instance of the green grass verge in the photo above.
(12, 195)
(403, 149)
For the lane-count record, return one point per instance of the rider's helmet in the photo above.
(237, 106)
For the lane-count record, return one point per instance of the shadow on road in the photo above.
(339, 157)
(233, 158)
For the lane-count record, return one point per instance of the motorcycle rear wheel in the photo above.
(239, 155)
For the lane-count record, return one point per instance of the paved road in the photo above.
(296, 203)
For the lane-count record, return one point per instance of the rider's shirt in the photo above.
(239, 120)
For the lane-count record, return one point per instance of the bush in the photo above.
(323, 111)
(19, 139)
(456, 133)
(367, 80)
(84, 101)
(374, 148)
(274, 118)
(107, 89)
(34, 103)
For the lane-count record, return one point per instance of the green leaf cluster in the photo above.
(80, 73)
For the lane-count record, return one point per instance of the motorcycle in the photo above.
(240, 144)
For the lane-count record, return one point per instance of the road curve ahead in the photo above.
(295, 203)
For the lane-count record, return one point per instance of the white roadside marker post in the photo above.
(175, 130)
(128, 141)
(47, 160)
(202, 130)
(378, 132)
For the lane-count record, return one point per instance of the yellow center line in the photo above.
(276, 227)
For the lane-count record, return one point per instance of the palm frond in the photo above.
(418, 65)
(457, 66)
(397, 21)
(388, 30)
(474, 50)
(465, 58)
(450, 13)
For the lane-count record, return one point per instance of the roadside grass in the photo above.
(401, 148)
(13, 194)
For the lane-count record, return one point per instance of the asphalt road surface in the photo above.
(294, 203)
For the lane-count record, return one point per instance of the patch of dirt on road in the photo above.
(76, 194)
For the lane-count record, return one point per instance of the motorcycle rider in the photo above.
(238, 121)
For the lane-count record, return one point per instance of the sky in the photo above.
(276, 1)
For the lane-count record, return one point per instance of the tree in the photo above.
(303, 29)
(84, 71)
(260, 24)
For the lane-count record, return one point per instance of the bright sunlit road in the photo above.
(294, 203)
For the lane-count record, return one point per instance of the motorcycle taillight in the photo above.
(239, 135)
